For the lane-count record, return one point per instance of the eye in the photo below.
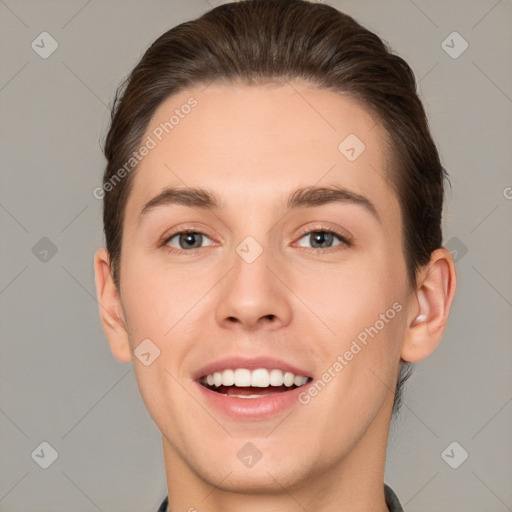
(186, 240)
(322, 238)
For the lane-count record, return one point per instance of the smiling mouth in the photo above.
(244, 383)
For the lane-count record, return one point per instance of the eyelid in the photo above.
(180, 230)
(344, 235)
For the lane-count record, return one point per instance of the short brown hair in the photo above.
(257, 41)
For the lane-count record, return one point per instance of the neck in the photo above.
(352, 484)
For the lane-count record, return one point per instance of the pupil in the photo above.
(322, 235)
(188, 238)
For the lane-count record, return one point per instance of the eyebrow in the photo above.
(302, 197)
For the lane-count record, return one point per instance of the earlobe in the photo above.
(430, 306)
(110, 307)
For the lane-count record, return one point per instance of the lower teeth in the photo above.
(217, 390)
(248, 396)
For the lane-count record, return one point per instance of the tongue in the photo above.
(234, 390)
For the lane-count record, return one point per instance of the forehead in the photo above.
(260, 142)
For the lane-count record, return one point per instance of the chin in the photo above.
(262, 478)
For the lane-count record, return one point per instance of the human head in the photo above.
(263, 106)
(336, 53)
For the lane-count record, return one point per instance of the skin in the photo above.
(253, 145)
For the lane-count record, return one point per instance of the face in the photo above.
(306, 287)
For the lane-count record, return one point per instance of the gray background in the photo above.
(59, 380)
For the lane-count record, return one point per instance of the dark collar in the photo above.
(392, 501)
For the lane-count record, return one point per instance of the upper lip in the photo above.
(251, 363)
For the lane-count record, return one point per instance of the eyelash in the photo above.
(316, 229)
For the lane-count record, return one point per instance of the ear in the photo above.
(430, 306)
(111, 311)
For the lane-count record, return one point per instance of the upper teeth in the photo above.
(261, 378)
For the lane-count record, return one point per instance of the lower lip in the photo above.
(252, 408)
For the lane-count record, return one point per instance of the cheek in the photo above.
(354, 293)
(359, 311)
(155, 297)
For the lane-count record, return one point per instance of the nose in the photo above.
(255, 294)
